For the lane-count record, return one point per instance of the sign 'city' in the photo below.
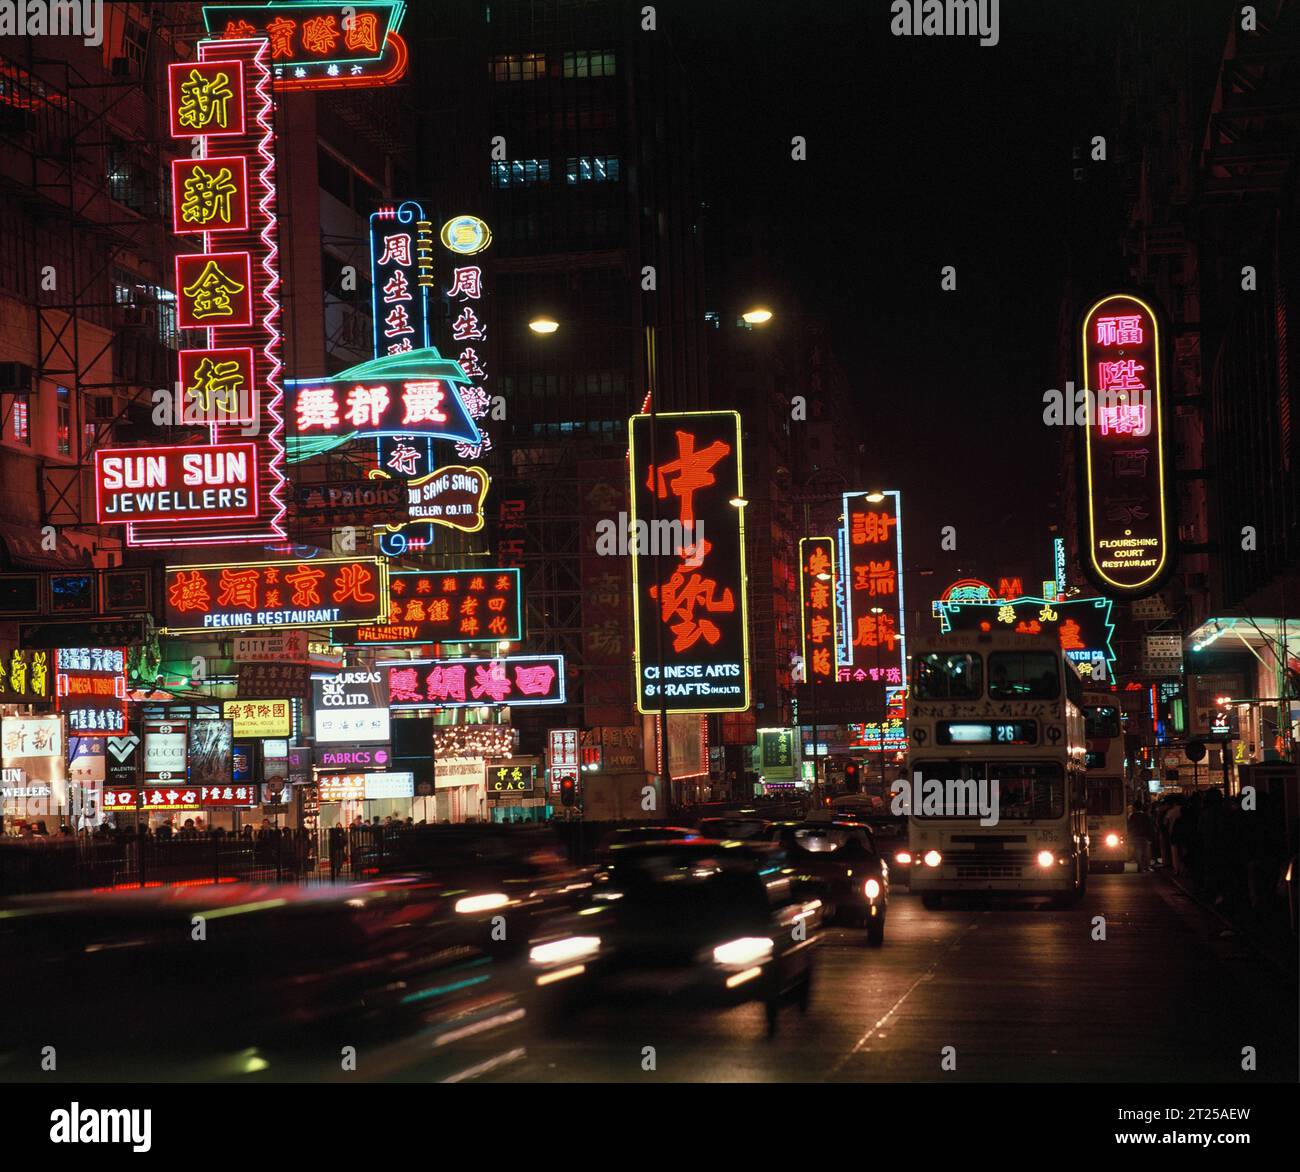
(1125, 518)
(691, 607)
(313, 593)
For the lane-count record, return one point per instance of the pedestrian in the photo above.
(338, 847)
(1140, 833)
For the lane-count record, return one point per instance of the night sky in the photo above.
(922, 152)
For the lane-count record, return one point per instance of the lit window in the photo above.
(63, 421)
(521, 173)
(588, 65)
(22, 425)
(592, 169)
(519, 67)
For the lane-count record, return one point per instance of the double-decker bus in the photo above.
(997, 707)
(1107, 799)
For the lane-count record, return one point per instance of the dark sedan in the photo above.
(701, 921)
(840, 862)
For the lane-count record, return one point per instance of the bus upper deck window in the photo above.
(1024, 675)
(957, 676)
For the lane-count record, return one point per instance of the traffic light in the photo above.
(568, 791)
(852, 782)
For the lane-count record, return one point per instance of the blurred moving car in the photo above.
(496, 882)
(840, 862)
(891, 837)
(249, 982)
(710, 922)
(649, 832)
(736, 826)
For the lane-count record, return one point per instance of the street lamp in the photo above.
(543, 324)
(760, 315)
(875, 496)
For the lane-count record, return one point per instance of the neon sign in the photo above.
(690, 602)
(1125, 516)
(316, 45)
(276, 595)
(91, 690)
(452, 496)
(229, 289)
(447, 606)
(872, 537)
(465, 235)
(414, 393)
(401, 272)
(515, 680)
(817, 604)
(150, 485)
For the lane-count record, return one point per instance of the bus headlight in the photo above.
(1046, 859)
(903, 858)
(872, 888)
(932, 858)
(1112, 840)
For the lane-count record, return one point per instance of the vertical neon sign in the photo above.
(230, 289)
(1125, 518)
(872, 539)
(817, 605)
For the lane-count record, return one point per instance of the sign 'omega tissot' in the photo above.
(1125, 516)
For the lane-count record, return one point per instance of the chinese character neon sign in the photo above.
(817, 601)
(872, 542)
(690, 605)
(514, 680)
(447, 606)
(1125, 519)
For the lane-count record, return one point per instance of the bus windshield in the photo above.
(1101, 721)
(1024, 675)
(956, 676)
(1030, 790)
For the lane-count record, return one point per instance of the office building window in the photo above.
(519, 67)
(521, 173)
(588, 65)
(592, 169)
(63, 420)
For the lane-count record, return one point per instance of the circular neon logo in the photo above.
(465, 235)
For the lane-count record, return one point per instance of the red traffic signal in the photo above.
(852, 780)
(568, 791)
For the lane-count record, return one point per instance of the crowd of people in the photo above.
(1236, 856)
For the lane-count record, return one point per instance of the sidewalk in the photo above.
(1280, 948)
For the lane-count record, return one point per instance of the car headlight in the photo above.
(903, 858)
(472, 904)
(1112, 839)
(872, 888)
(564, 951)
(933, 858)
(1046, 859)
(748, 950)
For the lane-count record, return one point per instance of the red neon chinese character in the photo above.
(238, 30)
(690, 471)
(535, 681)
(447, 683)
(188, 592)
(1124, 419)
(819, 562)
(403, 459)
(678, 599)
(397, 250)
(305, 581)
(422, 402)
(397, 288)
(362, 32)
(1119, 331)
(467, 281)
(280, 31)
(819, 596)
(403, 685)
(491, 681)
(466, 326)
(1121, 375)
(366, 405)
(238, 588)
(317, 407)
(1070, 640)
(822, 661)
(876, 631)
(397, 322)
(319, 34)
(870, 528)
(819, 630)
(351, 582)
